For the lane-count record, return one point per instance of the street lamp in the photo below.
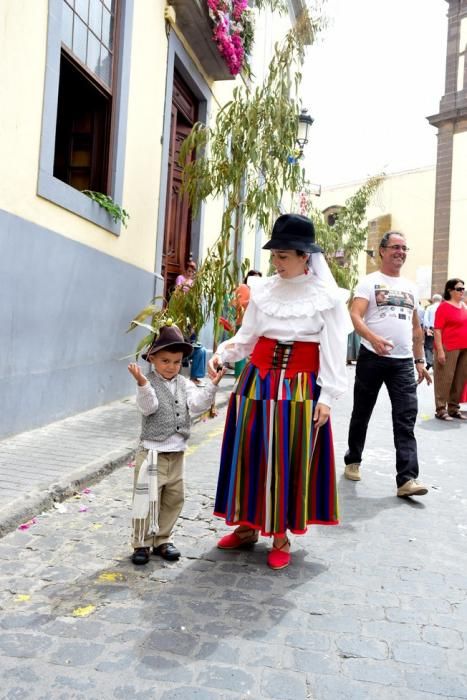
(304, 123)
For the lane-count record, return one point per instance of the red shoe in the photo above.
(277, 558)
(234, 541)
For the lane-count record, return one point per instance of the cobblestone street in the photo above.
(373, 608)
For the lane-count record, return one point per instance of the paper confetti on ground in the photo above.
(83, 612)
(26, 526)
(110, 576)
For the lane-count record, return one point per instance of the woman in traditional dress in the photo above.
(277, 463)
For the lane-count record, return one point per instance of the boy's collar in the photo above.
(163, 378)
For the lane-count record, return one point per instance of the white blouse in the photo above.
(299, 308)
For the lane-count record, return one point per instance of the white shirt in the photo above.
(199, 399)
(297, 309)
(429, 318)
(392, 302)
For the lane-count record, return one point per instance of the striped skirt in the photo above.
(277, 471)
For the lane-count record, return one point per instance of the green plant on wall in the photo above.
(106, 202)
(346, 238)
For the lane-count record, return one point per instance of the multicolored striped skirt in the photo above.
(277, 470)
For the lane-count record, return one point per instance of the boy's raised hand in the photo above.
(218, 376)
(135, 370)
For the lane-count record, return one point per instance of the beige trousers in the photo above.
(449, 380)
(170, 468)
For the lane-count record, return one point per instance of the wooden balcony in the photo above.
(195, 24)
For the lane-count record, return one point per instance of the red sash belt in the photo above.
(293, 357)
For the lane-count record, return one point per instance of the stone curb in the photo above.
(23, 509)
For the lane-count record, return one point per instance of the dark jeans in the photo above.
(399, 377)
(429, 342)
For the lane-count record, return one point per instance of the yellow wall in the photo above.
(23, 37)
(457, 264)
(409, 197)
(23, 33)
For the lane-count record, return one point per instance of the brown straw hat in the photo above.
(169, 338)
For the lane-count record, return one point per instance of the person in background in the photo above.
(428, 328)
(197, 359)
(240, 302)
(277, 471)
(450, 340)
(353, 347)
(185, 280)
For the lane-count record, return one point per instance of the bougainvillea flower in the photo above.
(226, 325)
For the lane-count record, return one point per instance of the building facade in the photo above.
(100, 95)
(450, 221)
(403, 202)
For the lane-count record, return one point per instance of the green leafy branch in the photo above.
(106, 202)
(347, 237)
(244, 158)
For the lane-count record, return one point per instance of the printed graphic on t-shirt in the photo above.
(393, 303)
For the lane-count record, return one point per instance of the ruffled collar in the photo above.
(296, 297)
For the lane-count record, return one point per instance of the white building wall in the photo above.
(457, 264)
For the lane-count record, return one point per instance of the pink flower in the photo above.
(227, 34)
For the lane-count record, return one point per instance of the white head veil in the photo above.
(320, 269)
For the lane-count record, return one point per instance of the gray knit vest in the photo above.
(172, 414)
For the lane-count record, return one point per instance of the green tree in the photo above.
(244, 157)
(346, 238)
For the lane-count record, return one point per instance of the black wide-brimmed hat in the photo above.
(293, 232)
(169, 338)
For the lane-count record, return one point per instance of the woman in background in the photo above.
(450, 341)
(240, 302)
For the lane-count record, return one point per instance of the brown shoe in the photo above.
(459, 415)
(352, 472)
(411, 488)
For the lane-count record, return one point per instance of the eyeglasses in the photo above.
(396, 246)
(459, 289)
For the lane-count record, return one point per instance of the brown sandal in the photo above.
(444, 415)
(458, 414)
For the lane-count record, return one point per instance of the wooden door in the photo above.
(177, 232)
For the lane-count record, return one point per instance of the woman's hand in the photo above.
(213, 364)
(135, 370)
(321, 414)
(441, 358)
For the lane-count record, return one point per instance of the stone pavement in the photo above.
(373, 608)
(41, 467)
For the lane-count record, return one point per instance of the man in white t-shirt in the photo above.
(384, 314)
